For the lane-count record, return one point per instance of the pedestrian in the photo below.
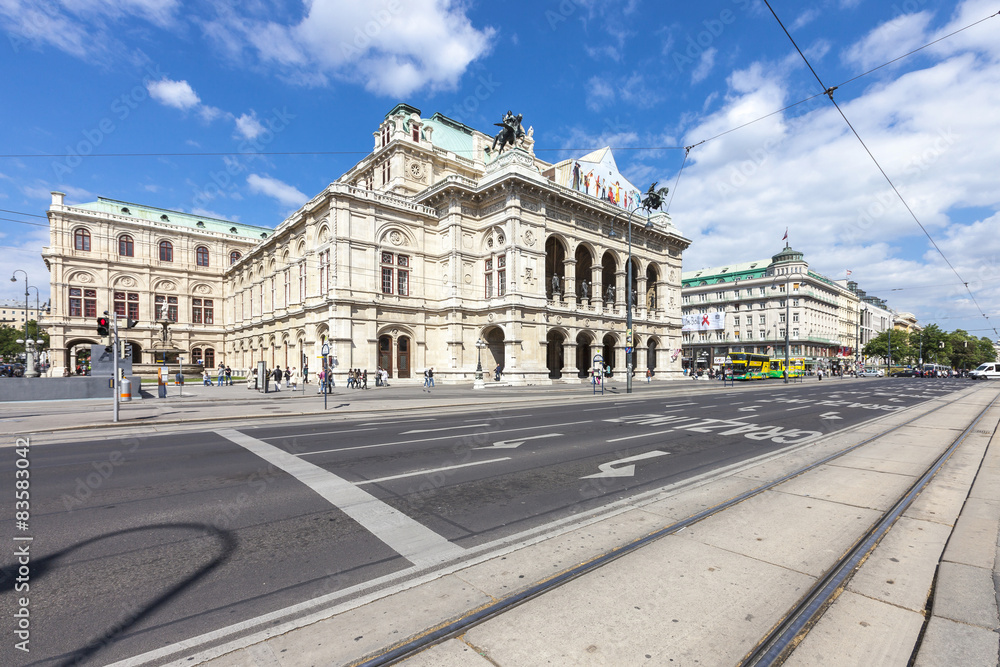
(385, 378)
(430, 376)
(350, 378)
(278, 377)
(229, 376)
(305, 374)
(206, 379)
(221, 374)
(252, 380)
(496, 373)
(293, 379)
(322, 382)
(649, 374)
(364, 379)
(819, 375)
(427, 379)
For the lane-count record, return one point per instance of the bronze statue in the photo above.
(510, 132)
(653, 199)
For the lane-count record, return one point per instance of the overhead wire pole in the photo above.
(114, 363)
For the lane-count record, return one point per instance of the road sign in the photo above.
(326, 349)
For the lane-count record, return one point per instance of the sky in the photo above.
(202, 90)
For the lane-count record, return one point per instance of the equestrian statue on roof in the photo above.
(510, 133)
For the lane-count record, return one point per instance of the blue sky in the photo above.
(164, 76)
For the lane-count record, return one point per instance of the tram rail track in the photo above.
(789, 630)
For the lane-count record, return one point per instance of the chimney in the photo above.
(57, 198)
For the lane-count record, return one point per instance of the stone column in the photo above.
(568, 370)
(619, 289)
(569, 280)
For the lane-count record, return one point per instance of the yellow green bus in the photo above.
(748, 366)
(796, 368)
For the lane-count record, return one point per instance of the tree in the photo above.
(879, 346)
(10, 350)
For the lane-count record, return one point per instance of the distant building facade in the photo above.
(429, 245)
(749, 307)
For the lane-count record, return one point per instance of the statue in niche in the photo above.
(555, 285)
(609, 295)
(651, 298)
(584, 290)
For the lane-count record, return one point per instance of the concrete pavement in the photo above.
(704, 595)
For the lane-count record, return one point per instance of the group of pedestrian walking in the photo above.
(224, 376)
(357, 378)
(428, 379)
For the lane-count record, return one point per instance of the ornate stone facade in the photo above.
(428, 245)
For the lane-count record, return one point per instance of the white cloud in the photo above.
(599, 93)
(272, 187)
(890, 40)
(807, 172)
(177, 94)
(391, 49)
(249, 127)
(705, 65)
(82, 28)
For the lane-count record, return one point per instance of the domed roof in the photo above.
(787, 255)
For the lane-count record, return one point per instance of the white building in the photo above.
(428, 245)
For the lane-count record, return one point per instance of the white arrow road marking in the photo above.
(512, 444)
(446, 428)
(608, 469)
(749, 408)
(830, 415)
(409, 538)
(416, 473)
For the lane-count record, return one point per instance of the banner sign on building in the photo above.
(703, 322)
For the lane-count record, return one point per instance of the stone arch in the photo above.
(585, 257)
(608, 344)
(609, 269)
(555, 269)
(585, 351)
(495, 338)
(393, 235)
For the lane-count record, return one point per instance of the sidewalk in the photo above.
(707, 594)
(197, 403)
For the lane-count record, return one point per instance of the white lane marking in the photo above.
(707, 406)
(513, 444)
(307, 435)
(675, 405)
(608, 469)
(415, 473)
(410, 539)
(444, 428)
(399, 421)
(801, 407)
(443, 437)
(613, 407)
(641, 435)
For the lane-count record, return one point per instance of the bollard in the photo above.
(125, 393)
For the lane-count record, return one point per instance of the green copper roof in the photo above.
(725, 274)
(450, 135)
(154, 214)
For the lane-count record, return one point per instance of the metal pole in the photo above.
(788, 323)
(629, 340)
(114, 363)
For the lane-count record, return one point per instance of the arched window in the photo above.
(126, 246)
(81, 240)
(234, 257)
(166, 251)
(201, 253)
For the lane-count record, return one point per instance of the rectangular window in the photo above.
(90, 303)
(501, 282)
(324, 271)
(398, 276)
(274, 303)
(795, 332)
(763, 319)
(75, 302)
(763, 334)
(795, 317)
(288, 287)
(302, 281)
(387, 258)
(196, 311)
(489, 285)
(127, 304)
(209, 311)
(403, 283)
(736, 321)
(166, 307)
(386, 280)
(781, 317)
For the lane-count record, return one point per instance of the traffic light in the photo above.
(124, 349)
(102, 326)
(130, 324)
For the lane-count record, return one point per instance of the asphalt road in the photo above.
(140, 542)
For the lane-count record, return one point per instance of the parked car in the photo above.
(905, 373)
(869, 373)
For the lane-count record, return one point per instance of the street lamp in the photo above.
(479, 384)
(29, 371)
